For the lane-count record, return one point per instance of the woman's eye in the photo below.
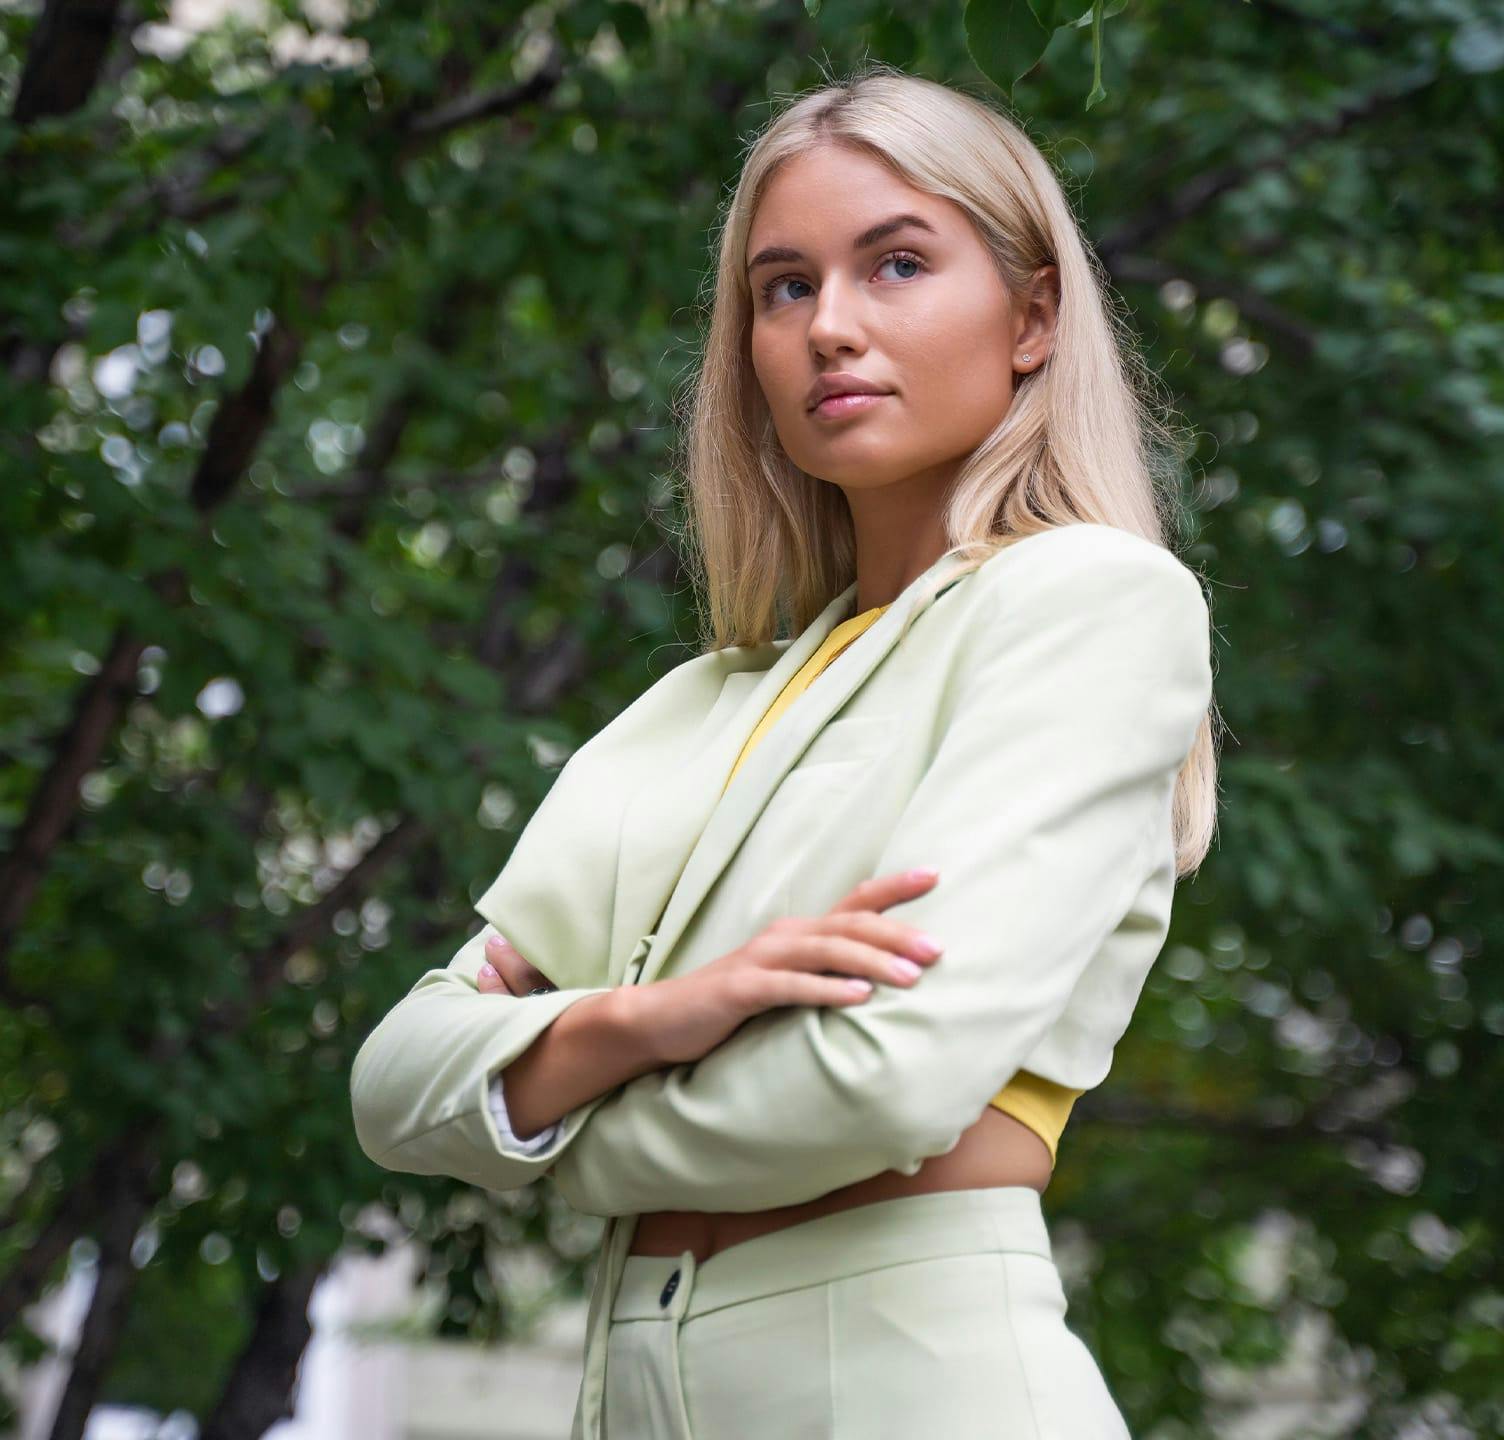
(771, 285)
(898, 257)
(905, 260)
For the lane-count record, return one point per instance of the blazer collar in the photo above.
(679, 832)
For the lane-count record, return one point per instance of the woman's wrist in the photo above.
(598, 1043)
(638, 1015)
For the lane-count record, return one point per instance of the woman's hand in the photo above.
(507, 973)
(830, 960)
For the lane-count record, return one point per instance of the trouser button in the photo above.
(668, 1289)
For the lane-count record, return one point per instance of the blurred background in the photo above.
(338, 350)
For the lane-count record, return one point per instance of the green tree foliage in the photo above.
(336, 449)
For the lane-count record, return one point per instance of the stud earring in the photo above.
(1026, 357)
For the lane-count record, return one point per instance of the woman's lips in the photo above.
(833, 406)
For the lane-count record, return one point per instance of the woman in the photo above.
(825, 1197)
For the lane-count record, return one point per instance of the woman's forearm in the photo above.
(595, 1045)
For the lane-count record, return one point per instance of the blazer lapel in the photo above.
(666, 816)
(690, 816)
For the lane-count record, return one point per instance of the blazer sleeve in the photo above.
(419, 1083)
(1046, 805)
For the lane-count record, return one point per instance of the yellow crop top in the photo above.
(1040, 1104)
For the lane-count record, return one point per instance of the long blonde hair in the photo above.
(1085, 438)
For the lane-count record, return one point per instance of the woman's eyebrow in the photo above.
(783, 255)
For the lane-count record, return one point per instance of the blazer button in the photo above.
(668, 1290)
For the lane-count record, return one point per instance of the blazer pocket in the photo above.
(821, 785)
(846, 740)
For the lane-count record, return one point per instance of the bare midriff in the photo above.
(997, 1150)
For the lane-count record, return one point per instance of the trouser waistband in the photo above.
(848, 1242)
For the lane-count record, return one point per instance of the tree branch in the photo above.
(1153, 223)
(1144, 269)
(1135, 1113)
(63, 62)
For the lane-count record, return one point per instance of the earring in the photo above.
(1026, 357)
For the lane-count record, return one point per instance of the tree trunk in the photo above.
(259, 1391)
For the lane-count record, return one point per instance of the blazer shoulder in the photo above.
(1091, 563)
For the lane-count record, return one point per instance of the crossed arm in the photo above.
(419, 1085)
(1045, 808)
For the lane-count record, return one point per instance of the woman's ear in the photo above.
(1036, 337)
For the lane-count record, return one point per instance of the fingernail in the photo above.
(495, 940)
(928, 945)
(925, 872)
(488, 972)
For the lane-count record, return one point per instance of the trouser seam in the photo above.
(832, 1390)
(1008, 1317)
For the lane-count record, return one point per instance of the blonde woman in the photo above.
(920, 438)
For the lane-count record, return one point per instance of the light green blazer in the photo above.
(1024, 738)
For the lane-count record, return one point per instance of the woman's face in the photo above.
(919, 312)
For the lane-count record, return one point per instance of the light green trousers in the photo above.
(928, 1315)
